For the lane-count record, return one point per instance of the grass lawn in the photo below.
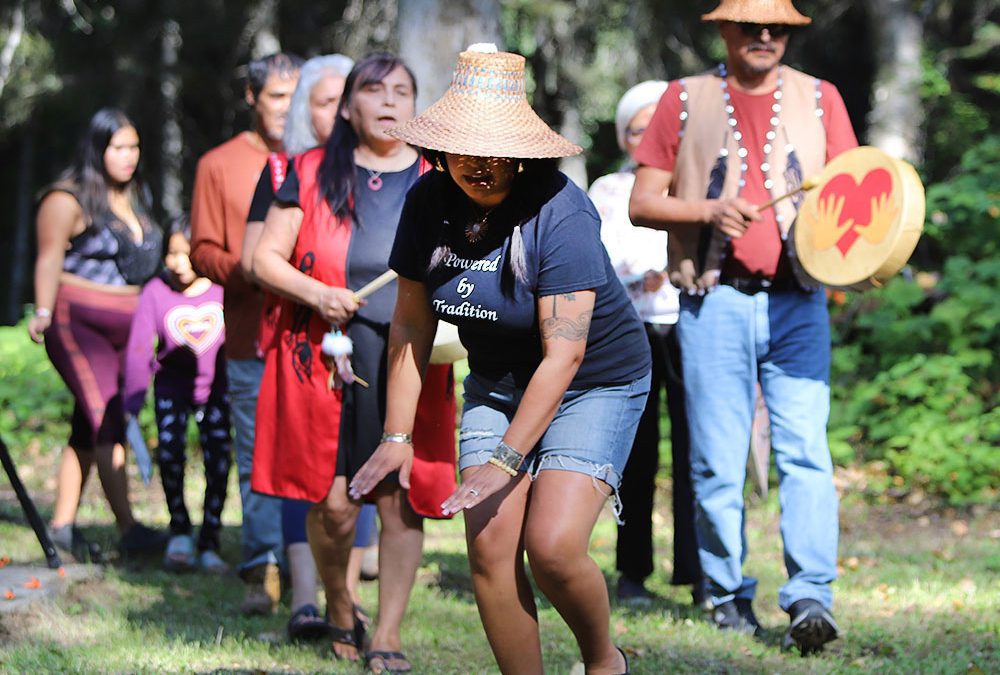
(919, 590)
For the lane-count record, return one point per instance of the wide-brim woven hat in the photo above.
(485, 113)
(758, 11)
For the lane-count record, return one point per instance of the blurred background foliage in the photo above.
(915, 369)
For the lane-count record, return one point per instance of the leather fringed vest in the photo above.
(709, 166)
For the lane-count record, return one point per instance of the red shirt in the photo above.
(758, 251)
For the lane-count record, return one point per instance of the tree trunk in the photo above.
(14, 36)
(897, 115)
(447, 27)
(20, 260)
(172, 145)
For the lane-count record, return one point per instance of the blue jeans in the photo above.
(261, 531)
(729, 340)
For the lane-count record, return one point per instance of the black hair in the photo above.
(178, 225)
(283, 64)
(87, 178)
(337, 171)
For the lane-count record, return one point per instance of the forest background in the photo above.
(915, 370)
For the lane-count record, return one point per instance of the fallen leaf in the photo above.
(959, 528)
(62, 571)
(33, 583)
(958, 605)
(9, 595)
(852, 562)
(4, 561)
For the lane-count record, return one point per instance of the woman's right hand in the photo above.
(388, 457)
(337, 305)
(37, 326)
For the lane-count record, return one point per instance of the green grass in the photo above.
(919, 590)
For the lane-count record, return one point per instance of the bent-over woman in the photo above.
(500, 243)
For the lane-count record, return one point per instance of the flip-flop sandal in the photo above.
(344, 636)
(378, 662)
(306, 623)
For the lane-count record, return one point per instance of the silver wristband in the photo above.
(43, 313)
(397, 438)
(507, 458)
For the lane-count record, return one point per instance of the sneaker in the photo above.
(737, 616)
(631, 592)
(179, 556)
(210, 562)
(70, 540)
(142, 540)
(811, 627)
(263, 586)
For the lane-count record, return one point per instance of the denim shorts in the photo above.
(591, 433)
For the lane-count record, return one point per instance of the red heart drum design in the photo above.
(859, 226)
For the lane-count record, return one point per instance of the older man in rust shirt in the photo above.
(224, 186)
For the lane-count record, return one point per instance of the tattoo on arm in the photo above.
(570, 329)
(568, 297)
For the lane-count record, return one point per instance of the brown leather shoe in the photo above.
(263, 586)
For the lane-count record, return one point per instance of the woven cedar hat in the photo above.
(485, 113)
(757, 11)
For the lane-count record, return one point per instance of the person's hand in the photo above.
(480, 484)
(388, 457)
(652, 281)
(337, 305)
(732, 217)
(37, 326)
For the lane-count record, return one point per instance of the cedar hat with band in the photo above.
(485, 113)
(757, 11)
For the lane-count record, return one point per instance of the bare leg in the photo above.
(74, 468)
(330, 528)
(401, 545)
(303, 572)
(111, 470)
(563, 509)
(493, 530)
(354, 573)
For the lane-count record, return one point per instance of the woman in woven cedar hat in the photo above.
(500, 243)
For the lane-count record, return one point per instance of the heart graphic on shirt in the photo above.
(198, 328)
(849, 210)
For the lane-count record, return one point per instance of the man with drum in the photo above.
(720, 145)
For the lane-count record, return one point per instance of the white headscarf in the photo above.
(635, 99)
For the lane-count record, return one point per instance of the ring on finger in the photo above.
(474, 492)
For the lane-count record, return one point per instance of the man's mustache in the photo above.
(760, 46)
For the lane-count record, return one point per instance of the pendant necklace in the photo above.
(374, 179)
(476, 230)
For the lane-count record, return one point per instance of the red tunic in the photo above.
(299, 417)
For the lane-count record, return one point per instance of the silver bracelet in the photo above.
(506, 458)
(43, 313)
(397, 438)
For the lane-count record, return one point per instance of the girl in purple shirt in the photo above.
(178, 334)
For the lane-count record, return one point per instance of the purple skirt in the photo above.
(86, 344)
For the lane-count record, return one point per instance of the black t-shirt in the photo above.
(263, 196)
(474, 287)
(372, 235)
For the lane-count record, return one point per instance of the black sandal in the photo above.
(628, 670)
(306, 623)
(384, 658)
(352, 637)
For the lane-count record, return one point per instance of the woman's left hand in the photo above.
(480, 484)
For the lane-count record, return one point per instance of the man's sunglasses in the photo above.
(776, 30)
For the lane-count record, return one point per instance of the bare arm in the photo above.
(250, 238)
(652, 206)
(270, 266)
(564, 321)
(411, 336)
(59, 219)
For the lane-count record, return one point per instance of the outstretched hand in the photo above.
(388, 457)
(479, 484)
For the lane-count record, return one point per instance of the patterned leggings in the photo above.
(213, 425)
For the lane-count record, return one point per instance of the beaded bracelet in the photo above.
(397, 438)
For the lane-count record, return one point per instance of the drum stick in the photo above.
(377, 283)
(807, 184)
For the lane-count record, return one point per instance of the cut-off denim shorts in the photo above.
(591, 433)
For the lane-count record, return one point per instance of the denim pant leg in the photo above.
(261, 531)
(717, 335)
(795, 379)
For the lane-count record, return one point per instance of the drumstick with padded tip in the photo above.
(375, 284)
(807, 184)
